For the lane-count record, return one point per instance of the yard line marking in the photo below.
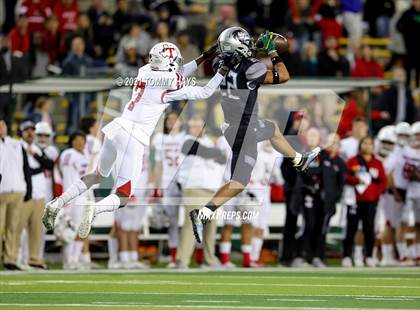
(215, 301)
(213, 294)
(385, 298)
(154, 282)
(365, 270)
(295, 299)
(184, 306)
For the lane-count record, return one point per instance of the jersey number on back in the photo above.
(141, 86)
(230, 83)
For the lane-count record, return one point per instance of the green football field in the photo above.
(271, 288)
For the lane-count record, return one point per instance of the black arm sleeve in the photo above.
(44, 161)
(28, 176)
(192, 147)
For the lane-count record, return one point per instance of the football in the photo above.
(282, 45)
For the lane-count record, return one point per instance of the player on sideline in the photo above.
(158, 83)
(243, 128)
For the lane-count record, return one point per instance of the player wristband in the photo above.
(276, 59)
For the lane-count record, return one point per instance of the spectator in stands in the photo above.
(199, 175)
(396, 43)
(37, 12)
(103, 31)
(378, 13)
(409, 26)
(53, 39)
(13, 162)
(366, 65)
(33, 207)
(96, 10)
(330, 62)
(138, 35)
(67, 13)
(292, 57)
(38, 56)
(188, 50)
(5, 61)
(162, 34)
(226, 19)
(329, 24)
(302, 18)
(352, 19)
(41, 112)
(310, 59)
(132, 61)
(395, 104)
(76, 64)
(323, 187)
(20, 45)
(366, 174)
(84, 30)
(122, 16)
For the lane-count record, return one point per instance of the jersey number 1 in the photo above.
(141, 86)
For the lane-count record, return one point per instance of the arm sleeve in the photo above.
(189, 68)
(44, 161)
(192, 147)
(193, 92)
(255, 74)
(351, 178)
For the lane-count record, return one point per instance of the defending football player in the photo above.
(243, 128)
(158, 84)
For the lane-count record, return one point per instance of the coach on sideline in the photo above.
(12, 191)
(199, 176)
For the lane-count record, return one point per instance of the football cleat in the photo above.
(307, 158)
(197, 225)
(50, 213)
(87, 219)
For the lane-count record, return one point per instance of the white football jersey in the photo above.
(168, 151)
(92, 148)
(349, 147)
(404, 159)
(151, 95)
(73, 165)
(52, 153)
(266, 167)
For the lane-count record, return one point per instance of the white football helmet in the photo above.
(403, 132)
(386, 140)
(165, 56)
(415, 130)
(387, 134)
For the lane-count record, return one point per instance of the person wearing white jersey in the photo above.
(168, 156)
(157, 85)
(43, 139)
(130, 220)
(349, 148)
(397, 210)
(384, 222)
(405, 179)
(73, 164)
(267, 169)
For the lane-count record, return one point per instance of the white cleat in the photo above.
(346, 262)
(370, 262)
(87, 219)
(50, 213)
(358, 263)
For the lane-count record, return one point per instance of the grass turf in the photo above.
(274, 288)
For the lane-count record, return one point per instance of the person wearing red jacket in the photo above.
(366, 173)
(37, 12)
(67, 13)
(366, 65)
